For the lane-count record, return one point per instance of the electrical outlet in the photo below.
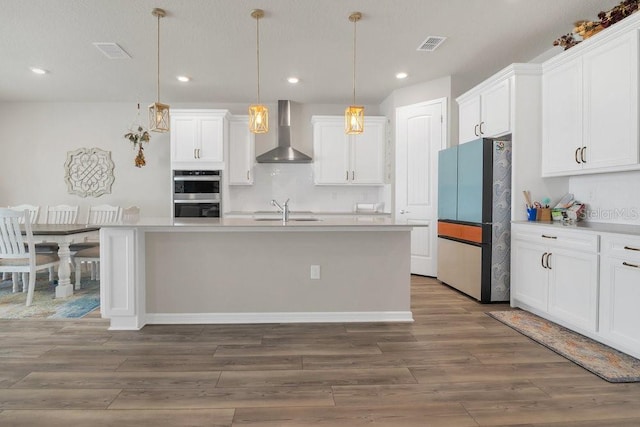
(315, 272)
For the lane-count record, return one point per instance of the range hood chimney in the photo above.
(284, 153)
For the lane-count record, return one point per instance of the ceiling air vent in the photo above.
(112, 50)
(431, 43)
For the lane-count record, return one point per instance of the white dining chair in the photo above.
(88, 252)
(34, 211)
(131, 215)
(62, 214)
(17, 252)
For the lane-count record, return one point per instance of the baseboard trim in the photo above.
(294, 317)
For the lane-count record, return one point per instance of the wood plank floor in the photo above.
(454, 366)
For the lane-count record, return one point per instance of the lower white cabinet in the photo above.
(573, 286)
(587, 280)
(555, 273)
(529, 276)
(620, 293)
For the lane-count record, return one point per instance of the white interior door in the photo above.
(420, 134)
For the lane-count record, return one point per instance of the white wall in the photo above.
(610, 197)
(35, 139)
(422, 92)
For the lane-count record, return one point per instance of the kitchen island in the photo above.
(240, 270)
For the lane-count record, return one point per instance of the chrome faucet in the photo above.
(284, 209)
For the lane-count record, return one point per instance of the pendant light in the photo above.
(354, 114)
(258, 113)
(158, 113)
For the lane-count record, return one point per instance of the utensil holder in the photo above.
(544, 214)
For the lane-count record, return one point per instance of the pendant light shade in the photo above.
(258, 113)
(158, 112)
(354, 114)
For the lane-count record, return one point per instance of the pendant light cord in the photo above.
(158, 73)
(354, 61)
(258, 53)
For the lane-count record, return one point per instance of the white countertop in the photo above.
(595, 227)
(356, 223)
(305, 213)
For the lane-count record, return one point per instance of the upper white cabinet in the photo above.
(590, 106)
(340, 159)
(486, 113)
(198, 139)
(241, 151)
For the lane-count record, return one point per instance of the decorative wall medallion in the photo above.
(89, 172)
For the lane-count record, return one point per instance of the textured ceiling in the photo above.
(213, 42)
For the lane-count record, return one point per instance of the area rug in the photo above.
(604, 361)
(44, 305)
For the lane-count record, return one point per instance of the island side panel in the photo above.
(265, 276)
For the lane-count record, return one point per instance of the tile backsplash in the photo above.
(610, 197)
(295, 182)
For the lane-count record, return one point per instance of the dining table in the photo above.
(64, 235)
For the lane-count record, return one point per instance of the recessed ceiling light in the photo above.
(401, 76)
(183, 79)
(37, 70)
(293, 80)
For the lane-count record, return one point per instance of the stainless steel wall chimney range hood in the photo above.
(284, 153)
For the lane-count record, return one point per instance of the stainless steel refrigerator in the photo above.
(474, 214)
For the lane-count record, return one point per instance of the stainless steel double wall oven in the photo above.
(196, 193)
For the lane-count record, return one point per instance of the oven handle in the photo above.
(197, 178)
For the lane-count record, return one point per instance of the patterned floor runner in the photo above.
(45, 306)
(604, 361)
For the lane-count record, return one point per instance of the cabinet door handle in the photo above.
(631, 265)
(475, 130)
(542, 260)
(629, 248)
(248, 176)
(575, 156)
(480, 128)
(353, 175)
(582, 156)
(544, 236)
(549, 261)
(347, 176)
(194, 153)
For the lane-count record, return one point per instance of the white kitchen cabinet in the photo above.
(529, 276)
(590, 107)
(241, 151)
(555, 274)
(620, 292)
(562, 118)
(486, 113)
(341, 159)
(198, 139)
